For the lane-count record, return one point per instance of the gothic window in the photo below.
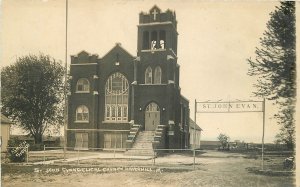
(153, 40)
(157, 75)
(146, 40)
(83, 85)
(148, 76)
(162, 39)
(116, 98)
(82, 113)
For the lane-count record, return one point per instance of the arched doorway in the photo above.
(152, 117)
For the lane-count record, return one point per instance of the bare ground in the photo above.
(212, 169)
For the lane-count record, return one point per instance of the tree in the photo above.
(224, 140)
(32, 93)
(275, 68)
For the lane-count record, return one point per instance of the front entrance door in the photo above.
(152, 117)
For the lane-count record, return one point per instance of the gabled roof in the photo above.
(5, 120)
(118, 47)
(84, 53)
(193, 125)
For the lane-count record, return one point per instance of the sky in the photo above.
(215, 39)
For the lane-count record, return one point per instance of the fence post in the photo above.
(194, 158)
(78, 156)
(44, 154)
(27, 154)
(153, 156)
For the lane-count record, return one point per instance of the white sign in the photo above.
(227, 107)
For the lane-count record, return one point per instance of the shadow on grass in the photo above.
(181, 153)
(268, 172)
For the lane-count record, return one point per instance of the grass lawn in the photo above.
(212, 169)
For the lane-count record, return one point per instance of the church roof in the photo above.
(5, 120)
(193, 125)
(85, 53)
(118, 47)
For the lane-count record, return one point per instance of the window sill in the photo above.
(81, 121)
(123, 122)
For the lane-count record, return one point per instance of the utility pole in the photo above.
(65, 86)
(195, 124)
(263, 135)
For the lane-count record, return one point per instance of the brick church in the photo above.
(117, 98)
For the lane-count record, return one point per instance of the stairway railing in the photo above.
(159, 137)
(134, 130)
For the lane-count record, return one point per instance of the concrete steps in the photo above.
(143, 144)
(133, 132)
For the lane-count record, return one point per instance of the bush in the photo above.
(17, 150)
(289, 163)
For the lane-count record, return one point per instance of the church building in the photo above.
(118, 97)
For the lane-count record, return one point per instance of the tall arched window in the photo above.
(82, 113)
(157, 75)
(162, 39)
(146, 40)
(148, 76)
(83, 85)
(154, 43)
(116, 98)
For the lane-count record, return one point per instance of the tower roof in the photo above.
(156, 15)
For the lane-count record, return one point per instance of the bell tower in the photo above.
(157, 31)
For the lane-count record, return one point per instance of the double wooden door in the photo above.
(152, 117)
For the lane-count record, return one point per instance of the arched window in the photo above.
(148, 76)
(82, 113)
(162, 39)
(154, 40)
(146, 40)
(116, 98)
(157, 75)
(83, 85)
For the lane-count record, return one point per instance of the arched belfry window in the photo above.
(146, 40)
(157, 75)
(162, 39)
(82, 113)
(148, 76)
(83, 85)
(116, 98)
(154, 43)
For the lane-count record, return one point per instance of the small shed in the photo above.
(5, 132)
(195, 135)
